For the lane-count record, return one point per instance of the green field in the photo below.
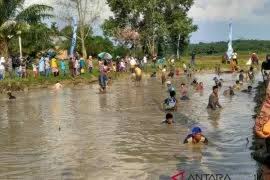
(210, 62)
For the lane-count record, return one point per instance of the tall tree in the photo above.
(156, 21)
(87, 12)
(14, 18)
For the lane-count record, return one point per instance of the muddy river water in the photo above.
(119, 135)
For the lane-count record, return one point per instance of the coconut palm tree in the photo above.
(15, 18)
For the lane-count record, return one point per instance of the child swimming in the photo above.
(229, 92)
(237, 85)
(200, 87)
(58, 86)
(10, 96)
(196, 137)
(169, 119)
(248, 90)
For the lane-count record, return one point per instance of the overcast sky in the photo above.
(250, 18)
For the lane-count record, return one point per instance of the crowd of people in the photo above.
(47, 65)
(170, 104)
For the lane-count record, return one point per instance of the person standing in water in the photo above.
(214, 99)
(170, 104)
(138, 74)
(104, 69)
(196, 137)
(163, 75)
(170, 86)
(193, 56)
(184, 92)
(229, 92)
(241, 77)
(251, 75)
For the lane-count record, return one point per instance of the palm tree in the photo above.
(14, 18)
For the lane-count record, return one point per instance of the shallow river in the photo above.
(119, 135)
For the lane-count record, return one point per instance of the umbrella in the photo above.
(105, 56)
(161, 61)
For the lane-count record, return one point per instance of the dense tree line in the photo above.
(238, 45)
(152, 26)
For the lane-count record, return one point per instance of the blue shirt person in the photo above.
(63, 66)
(41, 66)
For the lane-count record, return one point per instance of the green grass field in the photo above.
(210, 62)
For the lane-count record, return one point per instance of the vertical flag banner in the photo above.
(74, 37)
(230, 49)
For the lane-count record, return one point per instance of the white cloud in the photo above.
(224, 10)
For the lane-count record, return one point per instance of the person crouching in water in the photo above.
(237, 86)
(170, 104)
(184, 92)
(196, 137)
(248, 90)
(229, 92)
(200, 87)
(58, 86)
(138, 74)
(169, 119)
(10, 96)
(214, 99)
(194, 83)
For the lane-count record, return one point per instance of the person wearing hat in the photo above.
(196, 137)
(170, 87)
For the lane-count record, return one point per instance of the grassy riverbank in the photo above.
(203, 63)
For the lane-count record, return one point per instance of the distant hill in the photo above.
(257, 46)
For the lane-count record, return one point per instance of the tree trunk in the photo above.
(178, 47)
(84, 53)
(4, 48)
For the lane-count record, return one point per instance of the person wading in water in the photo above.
(214, 99)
